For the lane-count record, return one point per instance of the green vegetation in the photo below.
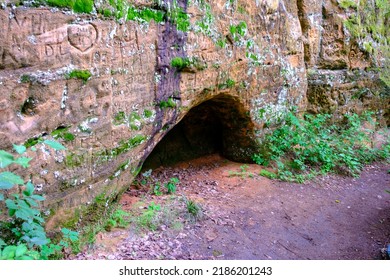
(206, 24)
(194, 209)
(135, 121)
(148, 113)
(120, 168)
(268, 174)
(348, 4)
(61, 3)
(25, 78)
(119, 118)
(144, 15)
(80, 74)
(103, 214)
(242, 173)
(83, 6)
(170, 103)
(221, 43)
(369, 25)
(171, 185)
(180, 63)
(178, 17)
(171, 215)
(148, 219)
(238, 31)
(62, 133)
(228, 84)
(125, 146)
(31, 142)
(303, 147)
(78, 6)
(118, 219)
(155, 186)
(22, 232)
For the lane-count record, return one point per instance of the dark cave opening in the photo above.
(220, 125)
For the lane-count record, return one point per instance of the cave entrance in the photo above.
(220, 125)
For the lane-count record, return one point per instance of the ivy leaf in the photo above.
(9, 179)
(20, 149)
(23, 161)
(54, 144)
(5, 159)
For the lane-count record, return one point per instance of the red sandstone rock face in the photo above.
(135, 96)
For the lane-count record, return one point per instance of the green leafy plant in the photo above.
(148, 219)
(120, 118)
(63, 133)
(118, 219)
(171, 185)
(25, 78)
(169, 103)
(238, 31)
(157, 189)
(83, 75)
(302, 147)
(180, 63)
(22, 233)
(268, 174)
(228, 84)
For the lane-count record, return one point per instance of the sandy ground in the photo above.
(247, 216)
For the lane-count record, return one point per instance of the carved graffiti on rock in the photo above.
(82, 37)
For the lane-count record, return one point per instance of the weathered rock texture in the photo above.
(339, 75)
(245, 66)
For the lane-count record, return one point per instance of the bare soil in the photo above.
(247, 216)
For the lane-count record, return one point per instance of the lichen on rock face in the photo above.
(121, 74)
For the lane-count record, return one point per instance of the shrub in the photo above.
(302, 146)
(22, 233)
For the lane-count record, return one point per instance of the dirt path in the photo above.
(252, 217)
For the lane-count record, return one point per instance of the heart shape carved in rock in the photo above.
(82, 37)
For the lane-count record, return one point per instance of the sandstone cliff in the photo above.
(112, 82)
